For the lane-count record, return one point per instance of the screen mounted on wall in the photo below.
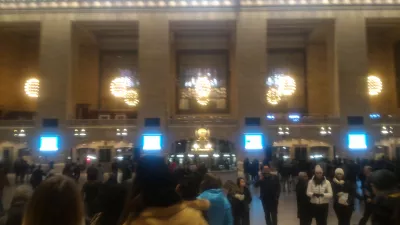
(357, 141)
(152, 142)
(49, 143)
(253, 141)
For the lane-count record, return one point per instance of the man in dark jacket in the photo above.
(303, 201)
(368, 196)
(270, 190)
(387, 201)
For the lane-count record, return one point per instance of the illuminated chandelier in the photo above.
(201, 87)
(273, 96)
(279, 86)
(374, 85)
(32, 87)
(131, 97)
(120, 85)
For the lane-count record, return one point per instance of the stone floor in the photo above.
(287, 212)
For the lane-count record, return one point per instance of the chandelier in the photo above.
(32, 87)
(201, 86)
(279, 86)
(374, 85)
(125, 87)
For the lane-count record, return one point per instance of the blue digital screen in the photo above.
(49, 143)
(152, 142)
(357, 141)
(253, 141)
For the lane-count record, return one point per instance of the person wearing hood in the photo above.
(387, 201)
(344, 193)
(220, 212)
(154, 200)
(270, 190)
(303, 201)
(319, 190)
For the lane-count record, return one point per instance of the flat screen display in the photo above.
(253, 142)
(49, 143)
(152, 142)
(357, 141)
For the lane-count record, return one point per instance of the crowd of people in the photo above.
(158, 193)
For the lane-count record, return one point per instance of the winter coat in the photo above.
(270, 188)
(240, 202)
(220, 212)
(319, 193)
(303, 201)
(178, 214)
(387, 209)
(343, 188)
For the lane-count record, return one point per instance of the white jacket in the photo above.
(324, 188)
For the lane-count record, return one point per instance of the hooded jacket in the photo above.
(220, 212)
(323, 190)
(178, 214)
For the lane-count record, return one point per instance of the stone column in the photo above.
(57, 52)
(250, 62)
(154, 73)
(350, 75)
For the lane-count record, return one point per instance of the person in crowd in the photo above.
(254, 169)
(243, 215)
(100, 173)
(303, 201)
(111, 201)
(294, 172)
(319, 189)
(37, 176)
(67, 170)
(3, 183)
(16, 211)
(90, 192)
(17, 169)
(368, 196)
(232, 193)
(344, 193)
(76, 171)
(387, 201)
(220, 211)
(154, 200)
(246, 168)
(189, 188)
(269, 194)
(56, 200)
(285, 172)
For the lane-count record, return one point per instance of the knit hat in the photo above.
(318, 168)
(339, 171)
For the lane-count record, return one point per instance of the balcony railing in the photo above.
(102, 123)
(197, 121)
(307, 120)
(17, 123)
(196, 4)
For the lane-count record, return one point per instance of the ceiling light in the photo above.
(32, 86)
(374, 85)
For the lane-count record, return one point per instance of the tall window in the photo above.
(203, 81)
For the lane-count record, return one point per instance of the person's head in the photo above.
(383, 181)
(56, 201)
(303, 176)
(112, 200)
(22, 192)
(230, 187)
(339, 174)
(241, 183)
(266, 170)
(153, 186)
(367, 170)
(210, 181)
(188, 187)
(318, 172)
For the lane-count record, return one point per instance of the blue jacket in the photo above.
(219, 205)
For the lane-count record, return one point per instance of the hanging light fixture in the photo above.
(131, 97)
(374, 85)
(119, 86)
(201, 86)
(273, 96)
(32, 87)
(287, 85)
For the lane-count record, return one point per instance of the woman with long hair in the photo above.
(57, 200)
(244, 207)
(343, 197)
(154, 199)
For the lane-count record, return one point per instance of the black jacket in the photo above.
(303, 201)
(270, 189)
(348, 187)
(240, 206)
(387, 209)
